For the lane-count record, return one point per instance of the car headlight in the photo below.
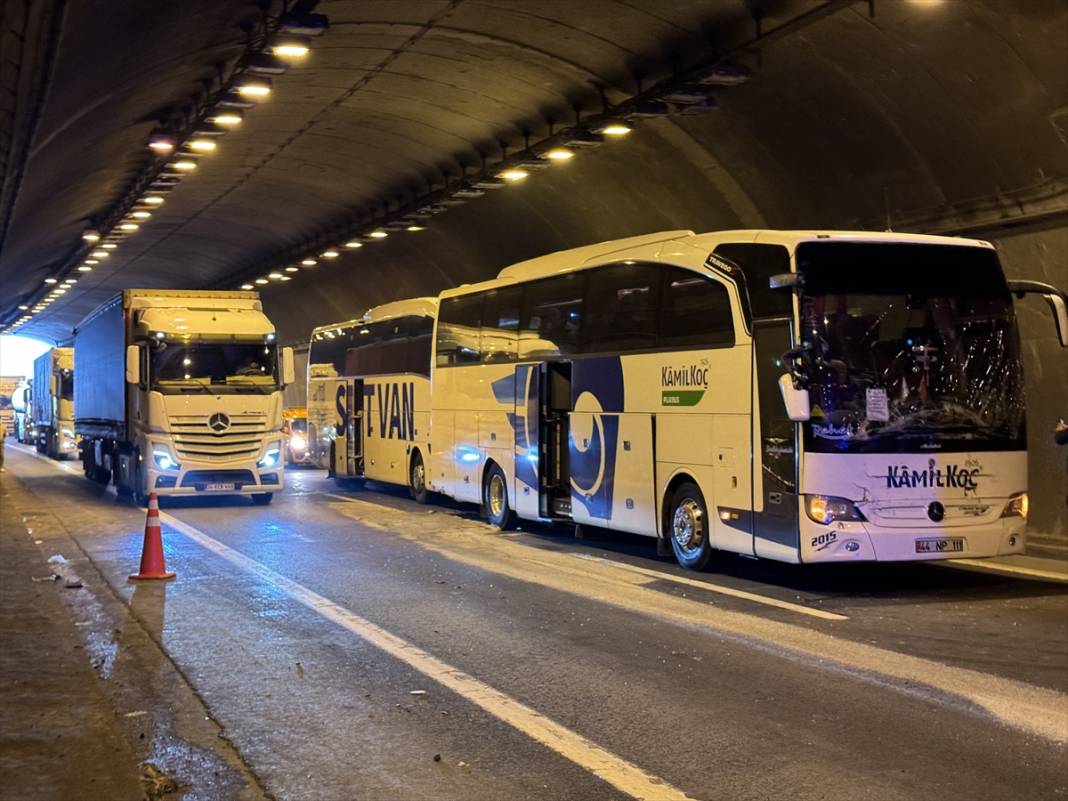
(825, 509)
(1017, 506)
(163, 460)
(270, 459)
(297, 442)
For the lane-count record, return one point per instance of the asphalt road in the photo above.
(354, 645)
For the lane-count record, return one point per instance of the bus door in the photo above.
(554, 428)
(775, 440)
(354, 432)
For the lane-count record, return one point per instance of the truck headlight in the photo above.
(164, 461)
(1017, 506)
(297, 442)
(270, 459)
(825, 509)
(67, 433)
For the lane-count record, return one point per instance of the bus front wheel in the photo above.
(495, 499)
(417, 479)
(689, 527)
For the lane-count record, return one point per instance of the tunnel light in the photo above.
(185, 165)
(613, 128)
(378, 234)
(91, 262)
(129, 226)
(285, 278)
(109, 246)
(559, 154)
(60, 291)
(227, 119)
(201, 145)
(261, 281)
(51, 280)
(253, 88)
(91, 236)
(23, 306)
(141, 215)
(100, 254)
(71, 281)
(275, 275)
(514, 175)
(415, 228)
(292, 269)
(247, 286)
(291, 48)
(153, 200)
(309, 262)
(161, 142)
(329, 254)
(84, 268)
(353, 244)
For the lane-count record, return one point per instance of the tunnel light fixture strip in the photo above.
(275, 44)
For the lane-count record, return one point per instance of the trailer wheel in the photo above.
(689, 528)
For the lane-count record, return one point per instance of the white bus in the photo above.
(799, 396)
(369, 393)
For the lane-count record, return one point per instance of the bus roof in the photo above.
(409, 307)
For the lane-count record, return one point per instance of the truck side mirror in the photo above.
(795, 399)
(1053, 296)
(133, 364)
(289, 373)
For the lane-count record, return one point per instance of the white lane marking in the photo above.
(624, 776)
(656, 574)
(1000, 567)
(717, 588)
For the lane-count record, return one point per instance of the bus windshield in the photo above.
(910, 348)
(214, 367)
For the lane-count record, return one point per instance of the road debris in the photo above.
(417, 693)
(155, 782)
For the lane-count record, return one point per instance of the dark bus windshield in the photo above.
(912, 348)
(234, 367)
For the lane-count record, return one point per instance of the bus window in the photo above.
(500, 325)
(458, 329)
(420, 330)
(552, 317)
(694, 312)
(758, 263)
(621, 303)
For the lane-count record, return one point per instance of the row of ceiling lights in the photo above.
(413, 223)
(177, 155)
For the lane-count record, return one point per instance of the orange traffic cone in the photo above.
(153, 565)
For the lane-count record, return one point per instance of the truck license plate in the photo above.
(955, 545)
(220, 486)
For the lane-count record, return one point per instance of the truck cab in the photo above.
(52, 403)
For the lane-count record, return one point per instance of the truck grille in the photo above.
(193, 439)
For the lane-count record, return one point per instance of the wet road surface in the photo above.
(353, 644)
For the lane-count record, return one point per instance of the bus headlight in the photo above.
(825, 509)
(1017, 506)
(270, 458)
(163, 460)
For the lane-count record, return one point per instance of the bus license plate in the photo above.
(940, 546)
(220, 486)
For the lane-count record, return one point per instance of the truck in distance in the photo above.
(52, 403)
(180, 393)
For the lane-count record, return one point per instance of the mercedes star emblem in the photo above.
(218, 422)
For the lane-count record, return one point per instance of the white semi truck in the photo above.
(52, 403)
(179, 392)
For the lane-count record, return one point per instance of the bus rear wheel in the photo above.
(417, 479)
(495, 499)
(689, 528)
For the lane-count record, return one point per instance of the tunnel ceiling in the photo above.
(930, 114)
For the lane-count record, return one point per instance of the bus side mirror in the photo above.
(289, 373)
(795, 399)
(1053, 296)
(133, 364)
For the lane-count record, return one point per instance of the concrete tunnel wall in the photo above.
(849, 125)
